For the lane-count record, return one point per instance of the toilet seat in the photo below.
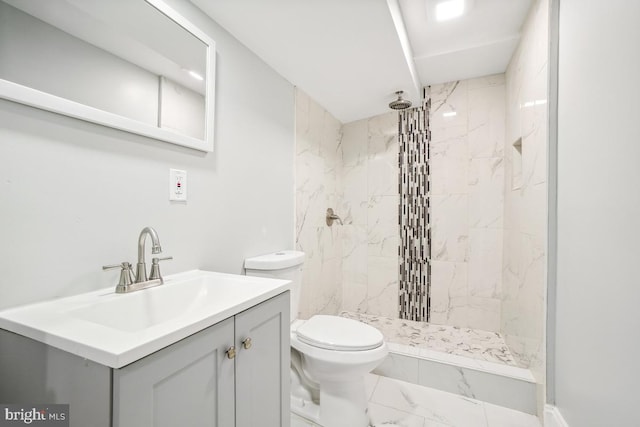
(339, 334)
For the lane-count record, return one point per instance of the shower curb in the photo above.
(503, 385)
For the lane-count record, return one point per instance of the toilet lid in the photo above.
(339, 333)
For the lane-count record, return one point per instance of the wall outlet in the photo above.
(177, 185)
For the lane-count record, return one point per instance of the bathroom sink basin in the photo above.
(144, 309)
(118, 329)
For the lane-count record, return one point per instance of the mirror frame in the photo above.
(35, 98)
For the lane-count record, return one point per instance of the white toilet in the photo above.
(330, 355)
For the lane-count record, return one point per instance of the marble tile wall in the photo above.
(319, 186)
(358, 177)
(525, 207)
(370, 235)
(467, 201)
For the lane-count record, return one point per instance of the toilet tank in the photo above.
(285, 265)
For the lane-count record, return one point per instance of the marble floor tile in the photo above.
(497, 416)
(395, 403)
(297, 421)
(440, 408)
(431, 423)
(471, 343)
(445, 408)
(385, 416)
(370, 383)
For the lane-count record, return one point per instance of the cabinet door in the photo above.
(189, 383)
(262, 371)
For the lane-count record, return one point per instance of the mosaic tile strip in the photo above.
(415, 234)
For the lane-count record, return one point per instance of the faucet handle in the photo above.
(126, 275)
(155, 267)
(114, 266)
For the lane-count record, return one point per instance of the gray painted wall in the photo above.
(74, 195)
(598, 285)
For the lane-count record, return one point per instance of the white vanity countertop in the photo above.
(118, 329)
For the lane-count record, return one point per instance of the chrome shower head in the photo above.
(400, 104)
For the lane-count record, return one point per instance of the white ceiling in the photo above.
(349, 56)
(478, 43)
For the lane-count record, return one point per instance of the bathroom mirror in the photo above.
(134, 65)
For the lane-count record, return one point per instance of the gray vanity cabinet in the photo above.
(191, 383)
(263, 369)
(194, 382)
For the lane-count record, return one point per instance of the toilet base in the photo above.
(342, 404)
(307, 409)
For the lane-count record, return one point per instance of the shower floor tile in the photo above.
(471, 343)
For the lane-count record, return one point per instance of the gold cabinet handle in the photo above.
(231, 353)
(246, 343)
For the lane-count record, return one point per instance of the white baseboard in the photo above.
(553, 417)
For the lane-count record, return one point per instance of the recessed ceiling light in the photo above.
(449, 9)
(449, 114)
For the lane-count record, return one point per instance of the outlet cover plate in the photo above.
(177, 185)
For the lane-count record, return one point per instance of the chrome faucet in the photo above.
(141, 267)
(129, 283)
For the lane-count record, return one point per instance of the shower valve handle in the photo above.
(331, 216)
